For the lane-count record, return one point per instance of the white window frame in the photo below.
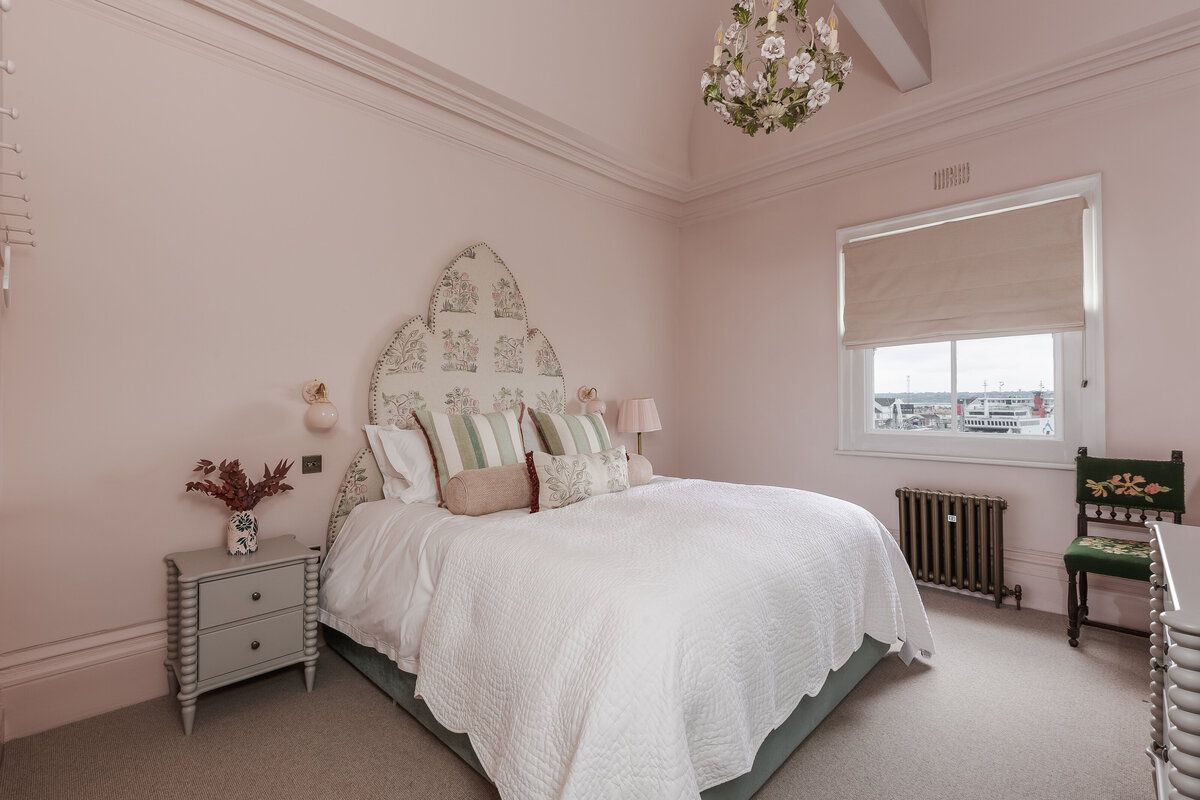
(1079, 356)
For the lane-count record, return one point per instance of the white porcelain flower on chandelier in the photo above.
(824, 31)
(815, 66)
(774, 47)
(735, 84)
(801, 68)
(818, 95)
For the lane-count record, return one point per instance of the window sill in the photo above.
(996, 462)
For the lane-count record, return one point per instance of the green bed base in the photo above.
(775, 749)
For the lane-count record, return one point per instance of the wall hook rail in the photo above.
(14, 235)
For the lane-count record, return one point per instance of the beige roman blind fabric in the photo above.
(1001, 274)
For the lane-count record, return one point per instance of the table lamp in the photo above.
(638, 415)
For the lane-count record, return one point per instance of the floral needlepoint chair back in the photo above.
(1130, 484)
(1124, 492)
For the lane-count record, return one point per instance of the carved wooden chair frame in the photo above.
(1092, 512)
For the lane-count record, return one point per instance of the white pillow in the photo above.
(407, 452)
(394, 483)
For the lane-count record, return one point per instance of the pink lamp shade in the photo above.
(638, 416)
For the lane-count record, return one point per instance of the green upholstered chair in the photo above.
(1123, 492)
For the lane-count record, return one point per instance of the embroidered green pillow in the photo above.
(562, 480)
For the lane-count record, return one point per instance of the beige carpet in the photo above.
(1007, 710)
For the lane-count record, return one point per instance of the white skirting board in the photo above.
(1043, 582)
(52, 684)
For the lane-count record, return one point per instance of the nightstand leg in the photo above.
(188, 630)
(172, 626)
(187, 710)
(311, 580)
(310, 675)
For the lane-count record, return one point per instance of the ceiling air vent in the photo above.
(954, 175)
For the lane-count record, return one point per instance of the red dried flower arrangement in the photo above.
(235, 489)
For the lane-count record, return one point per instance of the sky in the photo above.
(1021, 362)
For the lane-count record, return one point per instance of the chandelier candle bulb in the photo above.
(833, 31)
(773, 16)
(717, 47)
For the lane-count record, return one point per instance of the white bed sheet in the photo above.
(377, 581)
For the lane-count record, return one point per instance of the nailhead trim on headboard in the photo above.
(473, 353)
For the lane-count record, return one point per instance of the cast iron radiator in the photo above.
(955, 540)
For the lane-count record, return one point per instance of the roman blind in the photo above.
(1009, 273)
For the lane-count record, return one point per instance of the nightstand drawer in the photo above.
(246, 645)
(243, 596)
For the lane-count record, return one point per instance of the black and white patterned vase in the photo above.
(241, 535)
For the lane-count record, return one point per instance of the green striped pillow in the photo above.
(460, 442)
(568, 434)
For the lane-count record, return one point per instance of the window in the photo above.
(989, 386)
(975, 387)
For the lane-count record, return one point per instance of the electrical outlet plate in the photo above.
(310, 464)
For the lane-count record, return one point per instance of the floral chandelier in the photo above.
(787, 91)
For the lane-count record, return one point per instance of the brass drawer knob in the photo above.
(256, 596)
(254, 645)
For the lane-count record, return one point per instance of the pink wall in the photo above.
(758, 323)
(972, 44)
(210, 238)
(619, 70)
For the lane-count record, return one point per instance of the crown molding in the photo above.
(295, 42)
(292, 41)
(1157, 58)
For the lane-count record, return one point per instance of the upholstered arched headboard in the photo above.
(474, 353)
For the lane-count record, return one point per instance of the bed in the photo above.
(677, 639)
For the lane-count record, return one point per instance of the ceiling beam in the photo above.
(896, 34)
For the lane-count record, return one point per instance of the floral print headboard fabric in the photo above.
(474, 353)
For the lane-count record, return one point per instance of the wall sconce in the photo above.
(322, 414)
(587, 398)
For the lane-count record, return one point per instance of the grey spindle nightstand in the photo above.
(232, 617)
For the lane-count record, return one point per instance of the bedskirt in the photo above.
(775, 749)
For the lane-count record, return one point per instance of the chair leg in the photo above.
(1072, 609)
(1083, 606)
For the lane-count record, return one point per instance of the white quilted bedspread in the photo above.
(641, 645)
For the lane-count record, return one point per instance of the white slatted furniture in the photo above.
(1175, 660)
(232, 617)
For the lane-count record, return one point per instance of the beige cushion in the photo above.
(640, 470)
(567, 479)
(475, 492)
